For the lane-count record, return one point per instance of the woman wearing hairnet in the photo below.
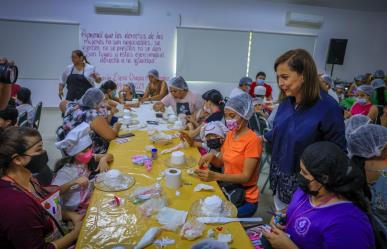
(367, 145)
(239, 157)
(180, 98)
(354, 122)
(328, 84)
(363, 103)
(128, 92)
(306, 115)
(90, 109)
(157, 89)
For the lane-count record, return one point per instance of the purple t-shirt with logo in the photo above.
(336, 225)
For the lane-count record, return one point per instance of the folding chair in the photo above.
(260, 126)
(23, 120)
(38, 112)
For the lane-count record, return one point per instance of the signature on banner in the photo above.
(140, 81)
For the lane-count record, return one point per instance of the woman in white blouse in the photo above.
(78, 77)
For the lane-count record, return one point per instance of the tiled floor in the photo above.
(51, 119)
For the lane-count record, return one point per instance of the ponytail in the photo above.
(81, 54)
(215, 97)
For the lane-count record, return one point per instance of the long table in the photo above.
(106, 226)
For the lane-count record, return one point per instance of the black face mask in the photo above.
(214, 143)
(37, 162)
(304, 183)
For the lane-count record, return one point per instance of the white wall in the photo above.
(366, 48)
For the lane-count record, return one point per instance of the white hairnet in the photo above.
(241, 104)
(355, 122)
(92, 98)
(379, 74)
(378, 83)
(154, 73)
(367, 141)
(327, 79)
(132, 87)
(367, 89)
(214, 127)
(178, 82)
(245, 81)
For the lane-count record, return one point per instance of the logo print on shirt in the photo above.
(301, 225)
(183, 108)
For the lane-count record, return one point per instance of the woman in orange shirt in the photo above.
(239, 156)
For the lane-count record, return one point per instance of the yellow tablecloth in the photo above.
(106, 226)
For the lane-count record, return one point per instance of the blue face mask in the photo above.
(260, 82)
(114, 93)
(361, 101)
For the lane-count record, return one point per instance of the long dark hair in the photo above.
(13, 140)
(62, 162)
(215, 97)
(92, 165)
(300, 61)
(331, 167)
(79, 53)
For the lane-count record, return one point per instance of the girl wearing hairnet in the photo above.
(328, 210)
(328, 84)
(156, 89)
(306, 114)
(363, 103)
(90, 109)
(239, 157)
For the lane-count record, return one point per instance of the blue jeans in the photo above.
(247, 210)
(114, 120)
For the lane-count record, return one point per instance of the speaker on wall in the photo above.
(336, 51)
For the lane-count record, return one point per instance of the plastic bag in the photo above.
(153, 205)
(139, 159)
(141, 194)
(192, 229)
(148, 238)
(210, 244)
(106, 226)
(171, 218)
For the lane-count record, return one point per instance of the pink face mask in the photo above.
(231, 124)
(84, 157)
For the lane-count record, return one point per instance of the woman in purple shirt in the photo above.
(25, 221)
(329, 209)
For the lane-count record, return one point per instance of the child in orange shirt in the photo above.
(239, 156)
